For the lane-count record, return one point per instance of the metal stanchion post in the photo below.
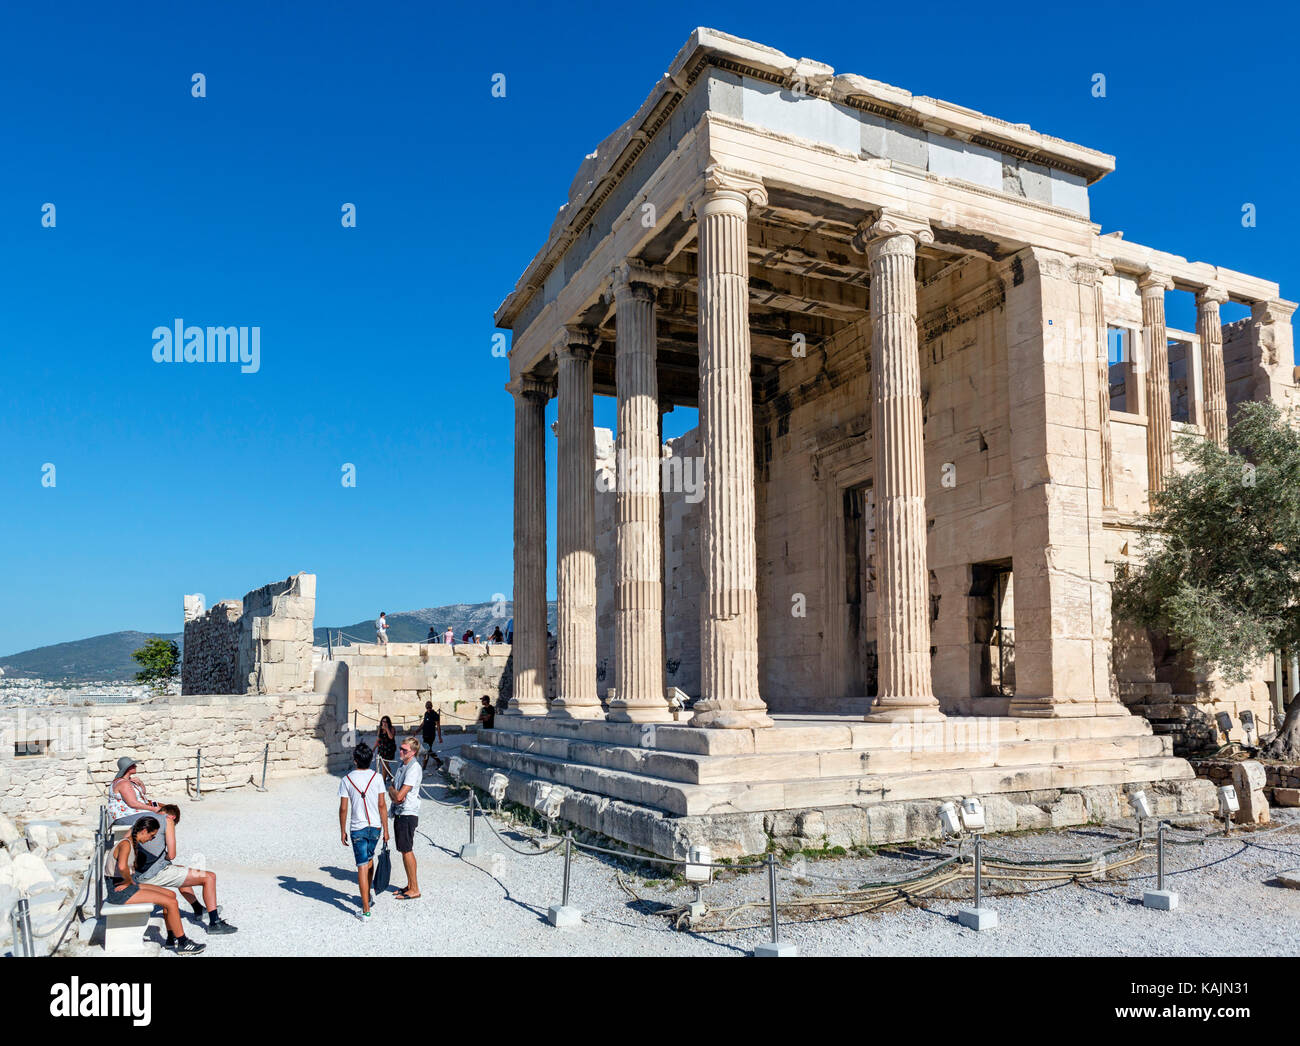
(1161, 899)
(98, 872)
(198, 775)
(22, 927)
(471, 851)
(978, 917)
(266, 756)
(775, 947)
(563, 916)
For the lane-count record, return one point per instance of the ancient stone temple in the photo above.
(933, 399)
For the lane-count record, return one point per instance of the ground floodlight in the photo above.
(455, 768)
(949, 819)
(538, 792)
(1248, 723)
(497, 787)
(1225, 723)
(1228, 802)
(1141, 805)
(972, 814)
(552, 804)
(698, 859)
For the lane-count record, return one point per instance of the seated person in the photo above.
(156, 869)
(127, 801)
(120, 870)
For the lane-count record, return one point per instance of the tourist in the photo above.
(362, 790)
(127, 801)
(405, 794)
(123, 889)
(432, 637)
(497, 636)
(154, 868)
(510, 631)
(431, 732)
(487, 715)
(468, 637)
(386, 744)
(449, 637)
(381, 629)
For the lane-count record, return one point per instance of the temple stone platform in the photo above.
(830, 781)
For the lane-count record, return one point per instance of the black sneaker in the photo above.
(171, 940)
(187, 947)
(219, 925)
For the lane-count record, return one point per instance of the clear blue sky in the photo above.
(376, 340)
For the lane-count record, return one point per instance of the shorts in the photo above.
(364, 841)
(405, 825)
(170, 878)
(120, 895)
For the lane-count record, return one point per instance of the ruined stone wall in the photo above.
(304, 732)
(261, 644)
(210, 657)
(398, 678)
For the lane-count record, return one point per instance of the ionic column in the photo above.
(1095, 275)
(1210, 329)
(575, 515)
(902, 577)
(729, 696)
(1160, 423)
(638, 555)
(529, 651)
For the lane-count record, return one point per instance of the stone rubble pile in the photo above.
(46, 862)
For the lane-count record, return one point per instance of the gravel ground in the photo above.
(289, 885)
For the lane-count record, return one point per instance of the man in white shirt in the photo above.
(363, 792)
(381, 629)
(405, 793)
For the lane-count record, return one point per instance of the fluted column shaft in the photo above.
(1160, 424)
(528, 654)
(1103, 393)
(902, 576)
(729, 696)
(1210, 329)
(638, 554)
(575, 516)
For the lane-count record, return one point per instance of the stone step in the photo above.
(827, 733)
(706, 769)
(766, 793)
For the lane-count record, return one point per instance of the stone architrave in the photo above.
(639, 689)
(528, 695)
(1160, 423)
(1210, 329)
(575, 519)
(729, 695)
(902, 577)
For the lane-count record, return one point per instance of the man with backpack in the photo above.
(363, 815)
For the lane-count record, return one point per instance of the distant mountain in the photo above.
(107, 658)
(97, 659)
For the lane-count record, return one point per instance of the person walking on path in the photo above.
(404, 791)
(120, 872)
(154, 867)
(386, 743)
(363, 813)
(431, 733)
(381, 629)
(127, 801)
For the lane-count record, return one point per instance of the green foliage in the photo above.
(1220, 562)
(160, 660)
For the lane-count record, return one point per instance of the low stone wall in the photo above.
(74, 750)
(1281, 780)
(396, 679)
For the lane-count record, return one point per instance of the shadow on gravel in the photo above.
(319, 891)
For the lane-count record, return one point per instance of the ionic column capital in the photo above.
(1152, 283)
(1215, 296)
(575, 342)
(887, 225)
(1088, 272)
(725, 185)
(635, 278)
(530, 386)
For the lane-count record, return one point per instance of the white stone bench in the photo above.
(124, 927)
